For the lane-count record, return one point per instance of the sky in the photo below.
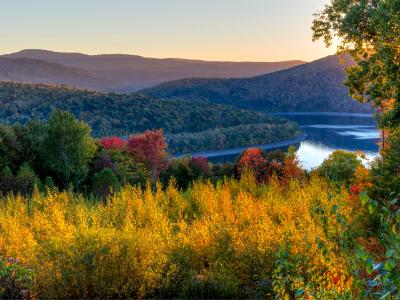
(228, 30)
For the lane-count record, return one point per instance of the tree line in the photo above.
(62, 153)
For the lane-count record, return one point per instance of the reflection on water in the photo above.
(313, 154)
(320, 126)
(361, 134)
(326, 133)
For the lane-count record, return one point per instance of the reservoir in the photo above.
(322, 134)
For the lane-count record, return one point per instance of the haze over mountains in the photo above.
(120, 73)
(39, 71)
(313, 87)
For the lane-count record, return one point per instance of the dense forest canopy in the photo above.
(121, 115)
(231, 137)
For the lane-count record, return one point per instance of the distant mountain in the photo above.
(26, 70)
(313, 87)
(128, 73)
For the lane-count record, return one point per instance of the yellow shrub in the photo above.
(216, 241)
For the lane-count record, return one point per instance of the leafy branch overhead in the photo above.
(369, 30)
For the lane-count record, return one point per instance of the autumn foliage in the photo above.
(257, 162)
(253, 160)
(292, 168)
(201, 163)
(200, 231)
(113, 143)
(208, 241)
(149, 148)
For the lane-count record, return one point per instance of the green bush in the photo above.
(16, 281)
(385, 170)
(6, 181)
(104, 183)
(128, 170)
(340, 167)
(26, 180)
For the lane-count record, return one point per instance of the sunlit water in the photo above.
(313, 154)
(324, 133)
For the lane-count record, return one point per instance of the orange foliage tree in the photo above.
(292, 167)
(255, 160)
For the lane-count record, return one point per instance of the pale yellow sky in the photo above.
(235, 30)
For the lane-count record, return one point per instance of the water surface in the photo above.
(323, 133)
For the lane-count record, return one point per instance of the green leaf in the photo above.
(299, 292)
(390, 253)
(369, 268)
(398, 216)
(394, 229)
(389, 265)
(372, 206)
(364, 198)
(361, 254)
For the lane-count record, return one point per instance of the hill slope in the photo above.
(27, 70)
(312, 87)
(118, 114)
(128, 73)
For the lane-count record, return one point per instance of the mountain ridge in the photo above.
(45, 53)
(312, 87)
(35, 71)
(129, 73)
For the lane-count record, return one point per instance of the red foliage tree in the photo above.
(253, 160)
(149, 148)
(113, 143)
(202, 164)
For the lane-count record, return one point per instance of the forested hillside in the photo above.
(117, 114)
(313, 87)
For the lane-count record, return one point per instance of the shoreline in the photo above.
(331, 114)
(238, 150)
